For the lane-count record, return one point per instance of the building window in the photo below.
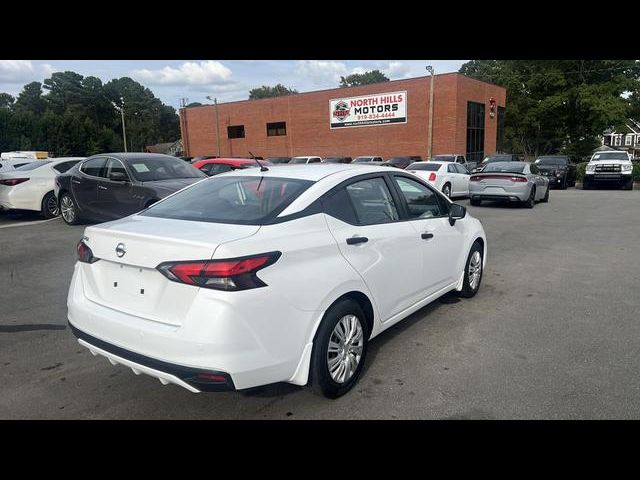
(627, 140)
(475, 131)
(618, 140)
(276, 129)
(235, 131)
(500, 129)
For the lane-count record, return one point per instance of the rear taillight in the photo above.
(432, 177)
(10, 182)
(474, 178)
(229, 274)
(519, 179)
(85, 255)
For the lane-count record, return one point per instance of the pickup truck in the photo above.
(611, 167)
(457, 158)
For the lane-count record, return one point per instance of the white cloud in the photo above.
(322, 72)
(14, 71)
(397, 70)
(189, 73)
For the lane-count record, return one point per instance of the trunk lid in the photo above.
(130, 283)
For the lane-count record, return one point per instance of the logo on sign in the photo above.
(341, 111)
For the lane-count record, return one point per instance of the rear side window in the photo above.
(452, 168)
(231, 199)
(64, 166)
(216, 168)
(94, 167)
(339, 206)
(372, 202)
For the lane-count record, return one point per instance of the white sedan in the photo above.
(450, 178)
(31, 186)
(254, 277)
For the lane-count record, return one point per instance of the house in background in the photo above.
(169, 148)
(627, 139)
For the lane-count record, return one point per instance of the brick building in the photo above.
(386, 119)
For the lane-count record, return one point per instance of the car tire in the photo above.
(327, 367)
(50, 207)
(545, 199)
(69, 210)
(446, 189)
(563, 185)
(586, 185)
(473, 271)
(475, 202)
(531, 201)
(629, 185)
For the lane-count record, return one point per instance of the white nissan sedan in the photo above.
(450, 178)
(270, 275)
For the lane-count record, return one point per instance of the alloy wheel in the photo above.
(68, 209)
(345, 348)
(52, 206)
(475, 270)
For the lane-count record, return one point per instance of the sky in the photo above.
(226, 80)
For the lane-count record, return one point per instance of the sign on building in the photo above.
(367, 110)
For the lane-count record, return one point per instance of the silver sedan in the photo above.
(509, 181)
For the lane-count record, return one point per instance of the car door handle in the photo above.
(426, 236)
(356, 240)
(101, 187)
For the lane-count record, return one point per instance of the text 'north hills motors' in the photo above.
(378, 109)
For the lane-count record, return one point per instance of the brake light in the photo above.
(10, 182)
(85, 255)
(230, 274)
(474, 178)
(432, 177)
(519, 179)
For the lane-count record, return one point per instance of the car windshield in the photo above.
(231, 199)
(610, 156)
(299, 160)
(152, 169)
(552, 161)
(506, 167)
(445, 158)
(32, 166)
(428, 166)
(362, 159)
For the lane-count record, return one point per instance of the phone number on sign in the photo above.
(372, 116)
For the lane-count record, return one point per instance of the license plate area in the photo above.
(135, 282)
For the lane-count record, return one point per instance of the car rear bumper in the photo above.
(497, 198)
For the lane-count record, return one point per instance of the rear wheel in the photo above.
(531, 201)
(339, 349)
(50, 206)
(545, 199)
(68, 210)
(472, 272)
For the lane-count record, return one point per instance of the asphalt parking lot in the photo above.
(553, 333)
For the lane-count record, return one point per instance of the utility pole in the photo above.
(215, 102)
(121, 110)
(430, 141)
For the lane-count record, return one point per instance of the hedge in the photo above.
(582, 165)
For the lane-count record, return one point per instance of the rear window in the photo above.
(428, 166)
(506, 167)
(231, 199)
(32, 166)
(152, 169)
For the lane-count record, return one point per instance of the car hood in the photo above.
(609, 162)
(166, 187)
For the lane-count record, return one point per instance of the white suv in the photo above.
(610, 167)
(254, 277)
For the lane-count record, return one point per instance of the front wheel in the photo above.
(50, 208)
(339, 349)
(472, 272)
(629, 185)
(68, 210)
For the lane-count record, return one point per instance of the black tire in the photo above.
(50, 207)
(446, 189)
(545, 199)
(531, 201)
(629, 185)
(475, 202)
(467, 290)
(586, 185)
(320, 377)
(563, 185)
(67, 201)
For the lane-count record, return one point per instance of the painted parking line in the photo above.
(26, 224)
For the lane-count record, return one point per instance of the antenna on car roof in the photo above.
(262, 167)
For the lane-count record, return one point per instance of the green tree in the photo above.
(559, 105)
(30, 99)
(267, 92)
(6, 100)
(366, 78)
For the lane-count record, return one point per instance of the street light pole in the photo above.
(430, 142)
(215, 101)
(121, 110)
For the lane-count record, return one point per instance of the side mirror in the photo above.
(456, 212)
(118, 177)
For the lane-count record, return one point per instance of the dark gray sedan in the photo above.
(113, 185)
(511, 182)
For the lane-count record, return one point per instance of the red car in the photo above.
(214, 166)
